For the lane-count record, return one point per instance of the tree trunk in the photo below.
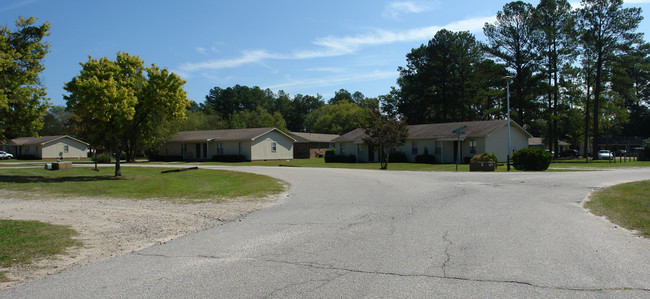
(384, 158)
(118, 156)
(556, 92)
(597, 91)
(549, 112)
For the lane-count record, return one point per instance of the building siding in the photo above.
(261, 147)
(495, 142)
(498, 142)
(76, 150)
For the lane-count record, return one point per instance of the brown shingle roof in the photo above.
(38, 140)
(539, 141)
(222, 135)
(444, 130)
(441, 131)
(356, 135)
(313, 137)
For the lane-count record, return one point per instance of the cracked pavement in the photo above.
(361, 233)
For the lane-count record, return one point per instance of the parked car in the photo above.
(621, 153)
(605, 155)
(571, 153)
(5, 155)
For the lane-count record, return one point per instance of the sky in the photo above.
(299, 47)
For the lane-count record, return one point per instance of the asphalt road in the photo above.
(361, 233)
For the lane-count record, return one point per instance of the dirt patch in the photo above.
(112, 227)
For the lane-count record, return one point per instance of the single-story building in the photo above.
(311, 145)
(48, 147)
(439, 141)
(255, 144)
(539, 143)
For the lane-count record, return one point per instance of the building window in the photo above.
(205, 151)
(342, 152)
(239, 149)
(274, 146)
(414, 148)
(438, 150)
(472, 146)
(65, 148)
(359, 148)
(219, 148)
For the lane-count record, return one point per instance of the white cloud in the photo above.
(247, 57)
(350, 44)
(394, 9)
(334, 81)
(636, 1)
(17, 4)
(337, 46)
(328, 69)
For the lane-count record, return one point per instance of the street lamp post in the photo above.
(508, 78)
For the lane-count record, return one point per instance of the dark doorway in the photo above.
(198, 151)
(456, 151)
(371, 153)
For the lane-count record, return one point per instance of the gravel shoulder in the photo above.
(110, 227)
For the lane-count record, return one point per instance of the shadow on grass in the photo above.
(43, 179)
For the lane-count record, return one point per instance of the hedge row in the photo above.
(332, 157)
(229, 158)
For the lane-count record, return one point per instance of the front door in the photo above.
(198, 151)
(371, 153)
(456, 151)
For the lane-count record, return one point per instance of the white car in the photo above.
(5, 155)
(605, 155)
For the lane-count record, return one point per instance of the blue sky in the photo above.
(301, 47)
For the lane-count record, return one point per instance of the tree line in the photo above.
(573, 74)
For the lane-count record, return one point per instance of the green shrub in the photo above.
(152, 152)
(425, 158)
(27, 157)
(229, 158)
(102, 158)
(341, 159)
(397, 157)
(329, 154)
(165, 158)
(332, 157)
(536, 159)
(485, 157)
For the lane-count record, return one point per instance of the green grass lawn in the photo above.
(141, 183)
(580, 163)
(320, 163)
(22, 242)
(627, 205)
